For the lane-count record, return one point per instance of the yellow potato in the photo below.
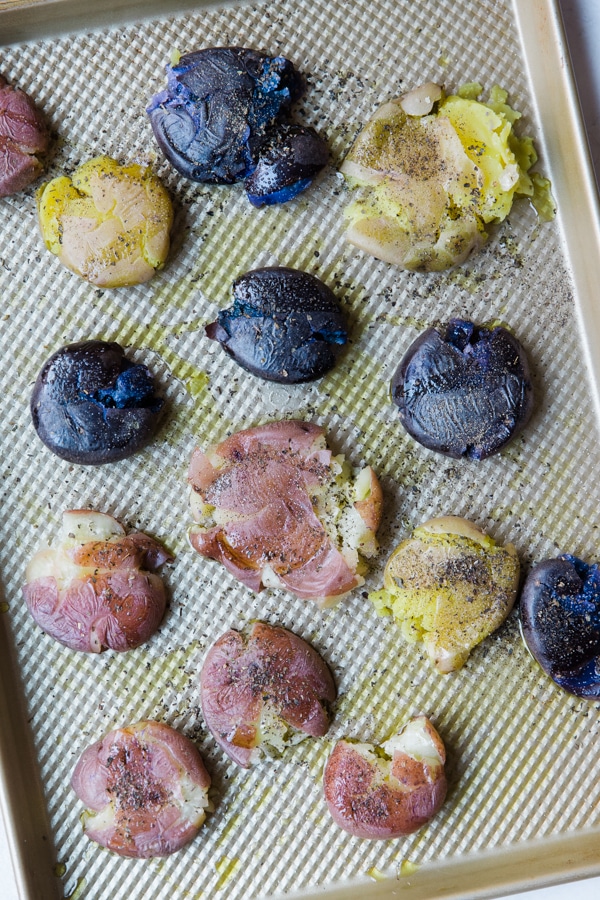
(431, 172)
(450, 586)
(108, 223)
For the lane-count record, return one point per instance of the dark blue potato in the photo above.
(288, 162)
(217, 108)
(466, 394)
(285, 325)
(92, 405)
(560, 620)
(224, 108)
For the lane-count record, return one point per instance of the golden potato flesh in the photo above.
(450, 586)
(108, 223)
(431, 172)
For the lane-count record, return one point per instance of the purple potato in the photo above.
(288, 162)
(285, 325)
(23, 135)
(224, 109)
(466, 394)
(560, 621)
(92, 405)
(217, 108)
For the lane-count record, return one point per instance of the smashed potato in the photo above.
(388, 791)
(450, 586)
(108, 223)
(278, 510)
(431, 172)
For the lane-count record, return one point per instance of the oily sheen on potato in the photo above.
(430, 172)
(278, 509)
(449, 586)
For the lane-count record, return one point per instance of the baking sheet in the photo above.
(521, 754)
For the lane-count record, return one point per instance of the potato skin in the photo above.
(288, 162)
(97, 593)
(560, 621)
(266, 666)
(373, 799)
(285, 325)
(91, 405)
(466, 393)
(145, 787)
(23, 137)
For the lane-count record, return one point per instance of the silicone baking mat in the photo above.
(521, 753)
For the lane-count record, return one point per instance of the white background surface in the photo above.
(582, 21)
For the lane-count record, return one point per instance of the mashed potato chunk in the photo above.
(449, 586)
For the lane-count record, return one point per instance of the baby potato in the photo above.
(262, 690)
(24, 137)
(560, 622)
(449, 586)
(279, 510)
(92, 405)
(97, 588)
(285, 325)
(380, 795)
(108, 223)
(224, 118)
(145, 789)
(432, 172)
(465, 393)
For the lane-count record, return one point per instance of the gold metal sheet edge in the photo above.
(484, 875)
(565, 146)
(46, 19)
(22, 809)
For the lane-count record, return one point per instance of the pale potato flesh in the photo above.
(108, 223)
(430, 173)
(449, 586)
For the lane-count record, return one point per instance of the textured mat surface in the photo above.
(522, 755)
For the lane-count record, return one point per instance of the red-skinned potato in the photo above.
(372, 796)
(279, 510)
(262, 690)
(97, 589)
(145, 788)
(23, 137)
